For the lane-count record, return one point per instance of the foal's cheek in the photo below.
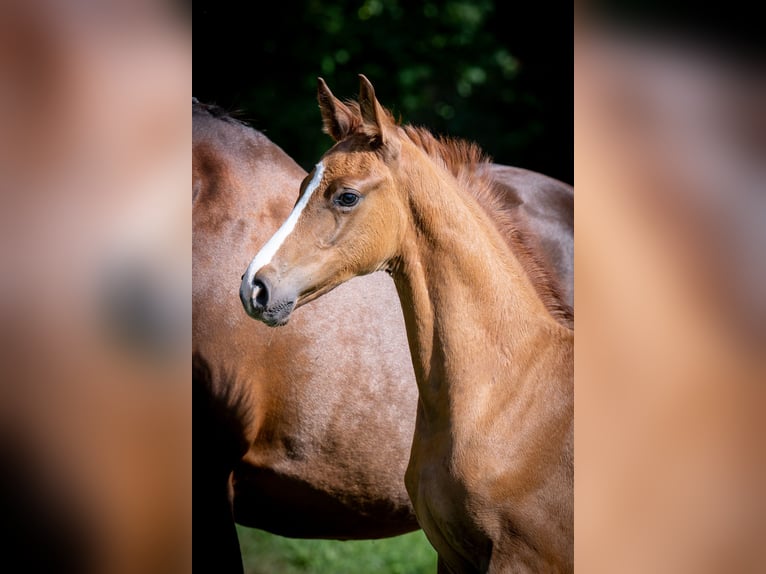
(388, 237)
(328, 230)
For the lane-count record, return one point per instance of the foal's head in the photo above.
(348, 218)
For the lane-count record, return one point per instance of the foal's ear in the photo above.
(337, 117)
(375, 120)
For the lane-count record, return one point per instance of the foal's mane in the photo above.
(467, 163)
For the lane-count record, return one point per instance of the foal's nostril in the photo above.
(262, 296)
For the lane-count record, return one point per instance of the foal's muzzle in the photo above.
(258, 300)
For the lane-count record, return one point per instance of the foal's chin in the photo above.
(276, 316)
(279, 314)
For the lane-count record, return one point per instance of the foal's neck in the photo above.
(470, 309)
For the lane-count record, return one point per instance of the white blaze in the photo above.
(263, 257)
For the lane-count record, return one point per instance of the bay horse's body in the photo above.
(491, 467)
(544, 208)
(312, 425)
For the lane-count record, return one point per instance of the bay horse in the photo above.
(305, 432)
(490, 473)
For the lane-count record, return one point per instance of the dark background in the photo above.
(482, 70)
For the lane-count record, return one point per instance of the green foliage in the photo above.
(265, 553)
(466, 68)
(431, 63)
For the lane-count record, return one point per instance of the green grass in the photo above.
(265, 553)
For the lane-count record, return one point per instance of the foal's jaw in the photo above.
(273, 301)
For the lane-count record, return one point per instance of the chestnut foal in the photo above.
(490, 473)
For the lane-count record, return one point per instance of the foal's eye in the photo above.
(347, 199)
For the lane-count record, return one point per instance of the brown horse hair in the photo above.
(216, 111)
(462, 159)
(222, 403)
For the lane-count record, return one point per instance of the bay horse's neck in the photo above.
(473, 317)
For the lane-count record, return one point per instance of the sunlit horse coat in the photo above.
(305, 430)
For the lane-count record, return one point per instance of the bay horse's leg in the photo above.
(441, 567)
(216, 451)
(216, 546)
